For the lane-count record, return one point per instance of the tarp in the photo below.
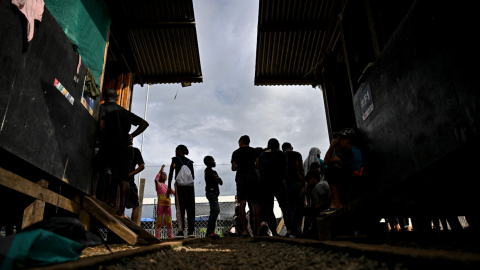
(86, 23)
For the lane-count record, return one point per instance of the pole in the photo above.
(143, 133)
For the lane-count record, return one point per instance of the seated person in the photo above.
(321, 200)
(345, 170)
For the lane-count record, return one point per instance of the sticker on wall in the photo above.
(87, 101)
(366, 102)
(64, 91)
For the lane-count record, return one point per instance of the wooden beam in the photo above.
(142, 233)
(141, 190)
(157, 25)
(111, 222)
(176, 79)
(33, 213)
(84, 218)
(104, 62)
(22, 185)
(283, 81)
(294, 26)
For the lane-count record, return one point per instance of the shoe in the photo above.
(246, 235)
(179, 235)
(213, 236)
(292, 236)
(191, 235)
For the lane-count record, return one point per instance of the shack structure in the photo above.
(401, 73)
(49, 105)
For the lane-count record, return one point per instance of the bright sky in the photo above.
(210, 117)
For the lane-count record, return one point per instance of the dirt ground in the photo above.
(247, 254)
(102, 250)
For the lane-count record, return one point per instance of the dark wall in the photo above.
(424, 91)
(39, 125)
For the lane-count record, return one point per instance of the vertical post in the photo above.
(140, 200)
(34, 212)
(346, 55)
(102, 77)
(144, 118)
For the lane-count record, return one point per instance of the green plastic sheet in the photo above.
(40, 247)
(86, 23)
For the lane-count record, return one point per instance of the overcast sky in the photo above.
(210, 117)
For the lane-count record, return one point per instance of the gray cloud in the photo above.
(210, 117)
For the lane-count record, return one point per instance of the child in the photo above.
(164, 210)
(211, 189)
(321, 199)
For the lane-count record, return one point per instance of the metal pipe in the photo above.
(143, 133)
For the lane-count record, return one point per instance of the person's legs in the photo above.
(282, 199)
(242, 195)
(297, 219)
(251, 217)
(124, 190)
(168, 220)
(158, 222)
(190, 208)
(183, 199)
(119, 164)
(454, 223)
(243, 203)
(266, 210)
(214, 211)
(178, 209)
(256, 211)
(135, 214)
(132, 202)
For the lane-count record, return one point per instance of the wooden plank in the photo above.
(22, 185)
(110, 221)
(104, 62)
(84, 218)
(141, 190)
(33, 213)
(142, 233)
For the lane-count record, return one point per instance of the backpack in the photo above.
(184, 177)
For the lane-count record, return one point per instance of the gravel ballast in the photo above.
(247, 254)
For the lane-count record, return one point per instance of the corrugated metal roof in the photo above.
(290, 39)
(156, 39)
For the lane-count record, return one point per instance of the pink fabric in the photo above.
(164, 217)
(33, 10)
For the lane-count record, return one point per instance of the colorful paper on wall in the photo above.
(64, 91)
(87, 101)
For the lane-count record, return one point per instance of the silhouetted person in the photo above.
(273, 170)
(115, 151)
(344, 172)
(295, 179)
(244, 162)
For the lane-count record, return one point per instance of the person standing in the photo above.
(164, 210)
(244, 161)
(313, 156)
(132, 201)
(295, 179)
(182, 167)
(115, 152)
(212, 192)
(273, 170)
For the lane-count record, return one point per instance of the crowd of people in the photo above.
(307, 188)
(304, 189)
